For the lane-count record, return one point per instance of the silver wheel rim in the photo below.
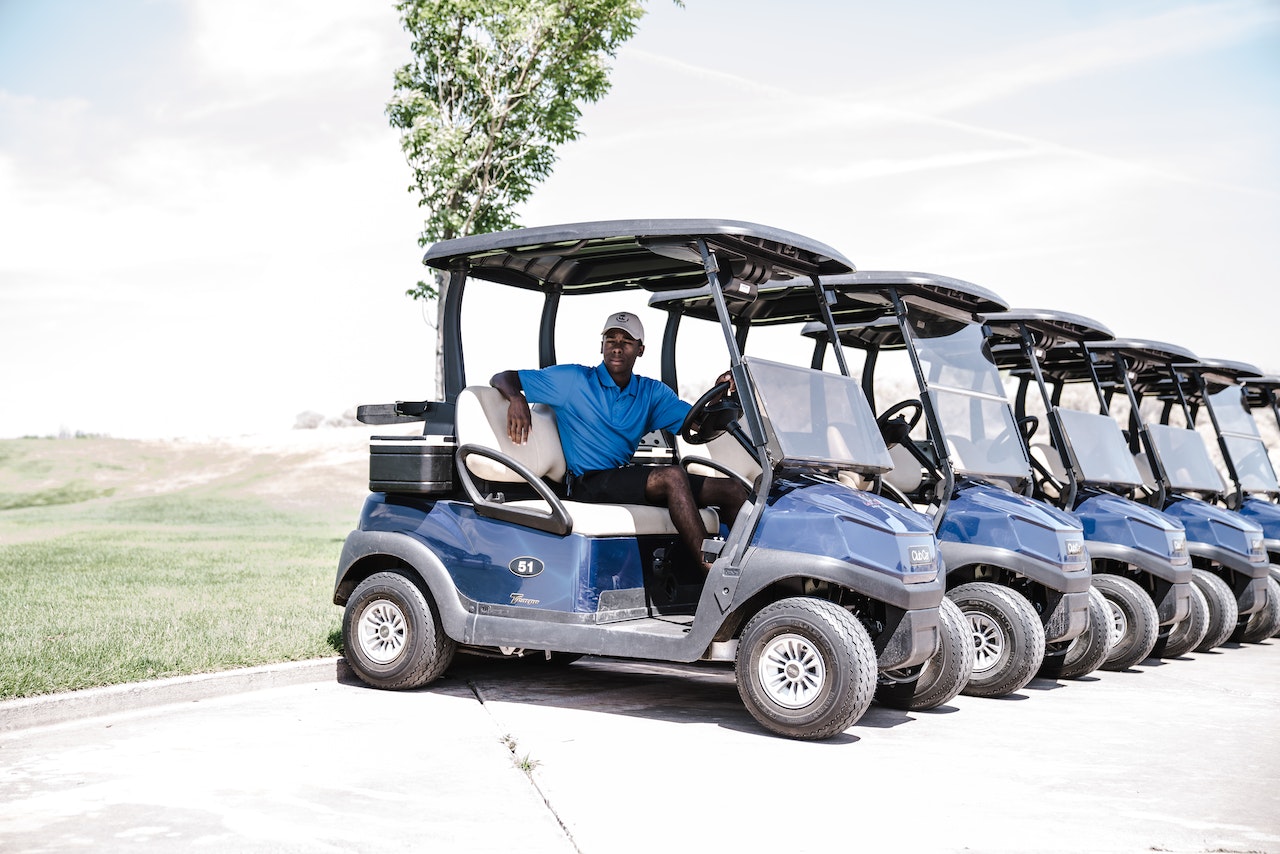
(792, 671)
(382, 631)
(988, 641)
(1119, 622)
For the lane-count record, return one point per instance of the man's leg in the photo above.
(670, 485)
(726, 494)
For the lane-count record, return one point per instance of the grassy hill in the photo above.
(123, 560)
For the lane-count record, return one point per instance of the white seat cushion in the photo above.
(481, 419)
(620, 520)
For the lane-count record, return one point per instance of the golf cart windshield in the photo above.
(1185, 459)
(817, 418)
(1099, 448)
(1243, 440)
(968, 396)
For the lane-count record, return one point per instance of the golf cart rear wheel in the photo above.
(806, 668)
(1264, 622)
(1223, 611)
(391, 634)
(1007, 636)
(943, 676)
(1134, 621)
(1086, 652)
(1185, 635)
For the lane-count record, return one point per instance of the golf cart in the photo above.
(1215, 387)
(1263, 392)
(1227, 552)
(1018, 568)
(1083, 465)
(468, 541)
(784, 308)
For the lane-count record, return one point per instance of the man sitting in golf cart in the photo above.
(602, 413)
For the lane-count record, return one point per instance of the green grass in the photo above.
(111, 585)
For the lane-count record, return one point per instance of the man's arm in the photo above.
(519, 420)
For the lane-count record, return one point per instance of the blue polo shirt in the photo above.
(601, 424)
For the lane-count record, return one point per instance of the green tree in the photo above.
(494, 87)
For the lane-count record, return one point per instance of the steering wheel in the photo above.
(710, 415)
(895, 430)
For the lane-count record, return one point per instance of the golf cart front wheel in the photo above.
(1264, 622)
(391, 635)
(940, 678)
(1224, 613)
(1087, 651)
(806, 668)
(1186, 634)
(1007, 635)
(1135, 622)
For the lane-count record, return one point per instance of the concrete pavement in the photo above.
(625, 757)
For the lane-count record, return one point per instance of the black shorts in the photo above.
(624, 485)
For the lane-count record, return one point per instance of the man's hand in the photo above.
(518, 419)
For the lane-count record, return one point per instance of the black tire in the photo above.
(1188, 633)
(1264, 622)
(940, 678)
(392, 636)
(1134, 621)
(806, 668)
(1223, 611)
(1275, 576)
(1007, 636)
(1088, 651)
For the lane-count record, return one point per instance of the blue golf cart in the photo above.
(1228, 555)
(1215, 388)
(470, 542)
(1017, 567)
(1083, 465)
(757, 328)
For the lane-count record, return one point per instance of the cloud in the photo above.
(1115, 44)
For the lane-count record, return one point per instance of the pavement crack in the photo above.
(526, 764)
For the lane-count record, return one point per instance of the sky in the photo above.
(206, 228)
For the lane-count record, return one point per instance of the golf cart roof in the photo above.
(1050, 328)
(938, 290)
(614, 255)
(1216, 373)
(1270, 381)
(775, 304)
(865, 316)
(1222, 371)
(1141, 353)
(1259, 390)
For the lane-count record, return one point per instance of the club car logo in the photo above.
(920, 555)
(1075, 549)
(1257, 550)
(525, 567)
(1179, 546)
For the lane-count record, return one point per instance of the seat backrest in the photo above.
(906, 474)
(725, 450)
(1049, 457)
(1143, 462)
(481, 419)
